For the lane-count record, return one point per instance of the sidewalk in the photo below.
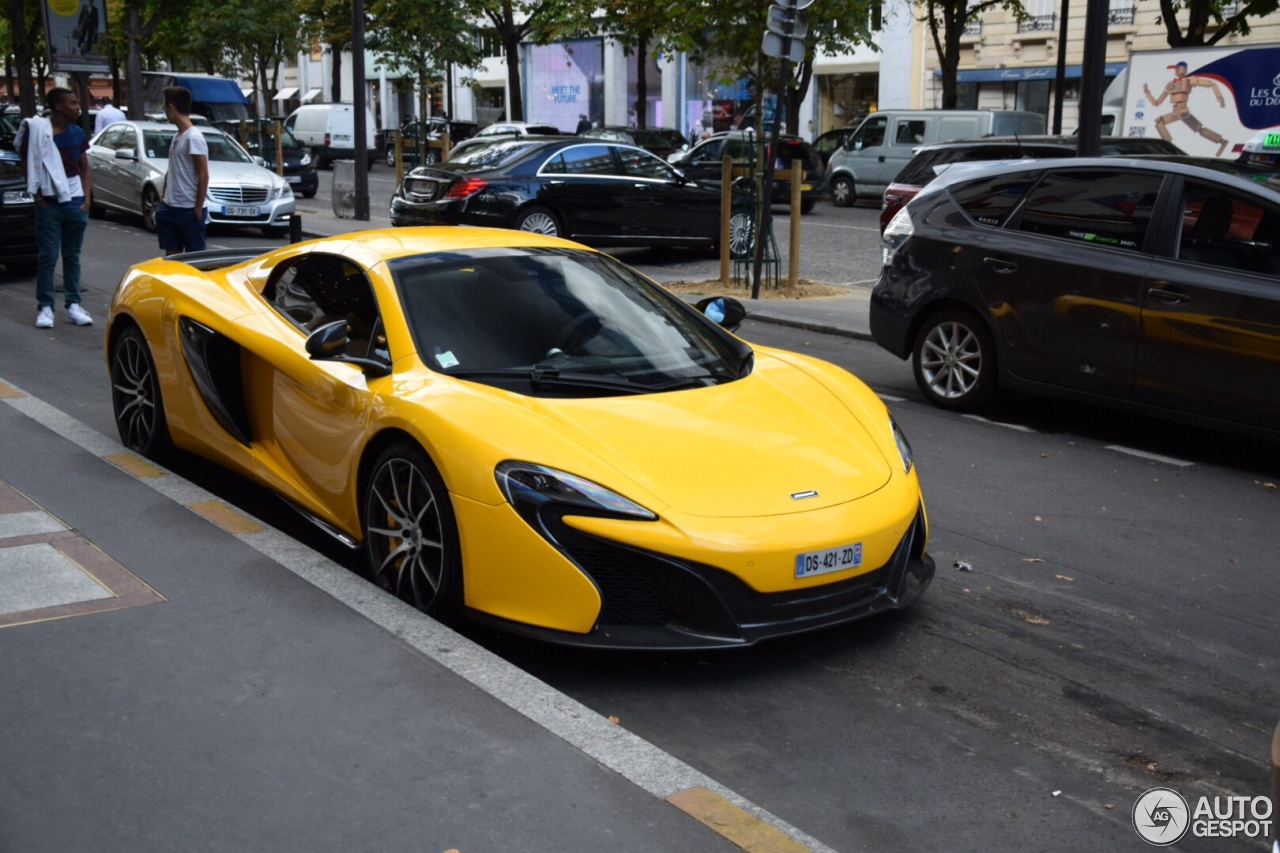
(179, 676)
(838, 315)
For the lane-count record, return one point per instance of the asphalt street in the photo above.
(1105, 620)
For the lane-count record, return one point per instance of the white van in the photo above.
(329, 130)
(873, 155)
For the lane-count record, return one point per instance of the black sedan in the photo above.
(662, 141)
(17, 217)
(598, 193)
(1150, 284)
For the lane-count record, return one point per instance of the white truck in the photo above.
(1209, 101)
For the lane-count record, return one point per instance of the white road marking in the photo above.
(980, 419)
(1151, 457)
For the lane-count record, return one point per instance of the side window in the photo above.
(1227, 230)
(707, 152)
(909, 132)
(642, 164)
(318, 289)
(989, 201)
(111, 138)
(588, 160)
(871, 133)
(1106, 208)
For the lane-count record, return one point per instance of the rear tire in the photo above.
(539, 220)
(954, 361)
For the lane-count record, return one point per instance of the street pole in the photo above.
(1060, 84)
(1092, 75)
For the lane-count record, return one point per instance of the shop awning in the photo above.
(311, 95)
(286, 94)
(1024, 75)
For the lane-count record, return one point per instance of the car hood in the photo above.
(222, 172)
(777, 441)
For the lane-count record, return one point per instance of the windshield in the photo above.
(552, 322)
(494, 154)
(222, 149)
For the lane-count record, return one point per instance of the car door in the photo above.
(905, 134)
(1063, 278)
(1210, 340)
(106, 171)
(702, 164)
(309, 417)
(582, 185)
(659, 203)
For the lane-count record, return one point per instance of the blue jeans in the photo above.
(179, 228)
(59, 229)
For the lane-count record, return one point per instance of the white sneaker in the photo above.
(78, 315)
(44, 320)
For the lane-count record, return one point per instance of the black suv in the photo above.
(1145, 283)
(702, 163)
(931, 160)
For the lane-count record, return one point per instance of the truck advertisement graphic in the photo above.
(1208, 101)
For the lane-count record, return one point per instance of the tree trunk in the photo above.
(22, 57)
(133, 61)
(642, 81)
(511, 47)
(335, 84)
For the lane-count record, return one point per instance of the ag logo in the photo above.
(1161, 816)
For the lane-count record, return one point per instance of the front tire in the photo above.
(954, 361)
(135, 397)
(843, 192)
(539, 220)
(410, 533)
(150, 201)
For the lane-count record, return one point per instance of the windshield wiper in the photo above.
(542, 376)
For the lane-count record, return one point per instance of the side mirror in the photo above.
(725, 310)
(126, 154)
(329, 343)
(260, 161)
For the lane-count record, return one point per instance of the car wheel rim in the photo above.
(133, 391)
(149, 204)
(405, 533)
(741, 237)
(951, 360)
(540, 223)
(840, 192)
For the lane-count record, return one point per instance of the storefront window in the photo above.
(565, 81)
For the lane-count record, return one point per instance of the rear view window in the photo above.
(991, 200)
(1102, 207)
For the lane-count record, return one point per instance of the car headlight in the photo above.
(529, 488)
(306, 160)
(282, 191)
(904, 446)
(12, 197)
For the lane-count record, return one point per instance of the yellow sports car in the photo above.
(526, 431)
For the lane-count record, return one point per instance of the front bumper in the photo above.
(654, 601)
(272, 212)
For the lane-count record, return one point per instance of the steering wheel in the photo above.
(577, 332)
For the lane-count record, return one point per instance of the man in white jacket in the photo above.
(55, 154)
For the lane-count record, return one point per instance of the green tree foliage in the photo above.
(329, 21)
(1206, 22)
(946, 20)
(423, 37)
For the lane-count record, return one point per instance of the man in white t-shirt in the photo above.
(180, 215)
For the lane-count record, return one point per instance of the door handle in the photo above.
(554, 183)
(1000, 265)
(1168, 297)
(641, 186)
